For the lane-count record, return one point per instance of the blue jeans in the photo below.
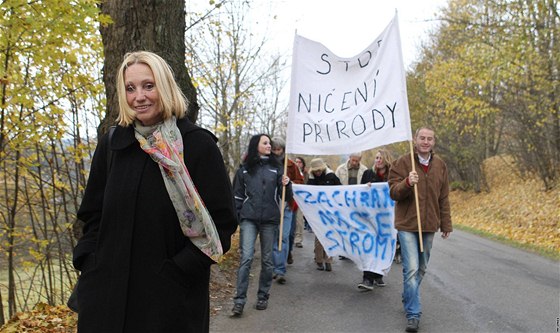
(293, 230)
(414, 264)
(281, 257)
(247, 237)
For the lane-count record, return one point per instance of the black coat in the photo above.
(139, 272)
(258, 193)
(370, 176)
(326, 178)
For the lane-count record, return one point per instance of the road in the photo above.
(472, 285)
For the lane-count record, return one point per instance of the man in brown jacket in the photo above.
(432, 182)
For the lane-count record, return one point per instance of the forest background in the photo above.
(487, 79)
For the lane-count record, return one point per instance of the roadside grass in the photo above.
(516, 211)
(30, 288)
(542, 251)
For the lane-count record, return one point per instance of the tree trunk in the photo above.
(150, 25)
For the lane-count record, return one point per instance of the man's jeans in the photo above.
(414, 264)
(247, 237)
(281, 257)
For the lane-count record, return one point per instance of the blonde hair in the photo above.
(387, 159)
(172, 101)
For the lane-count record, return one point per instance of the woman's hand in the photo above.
(285, 180)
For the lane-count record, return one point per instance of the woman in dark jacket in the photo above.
(257, 189)
(378, 173)
(320, 174)
(150, 236)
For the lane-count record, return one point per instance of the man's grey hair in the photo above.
(359, 155)
(278, 142)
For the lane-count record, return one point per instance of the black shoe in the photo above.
(262, 304)
(342, 258)
(378, 281)
(412, 325)
(290, 258)
(328, 267)
(281, 279)
(366, 285)
(237, 310)
(320, 267)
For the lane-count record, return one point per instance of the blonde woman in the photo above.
(378, 173)
(157, 218)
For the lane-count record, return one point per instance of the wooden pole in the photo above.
(282, 203)
(416, 199)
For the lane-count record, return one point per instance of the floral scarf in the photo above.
(164, 143)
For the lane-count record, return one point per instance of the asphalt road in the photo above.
(472, 285)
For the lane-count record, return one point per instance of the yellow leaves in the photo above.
(239, 123)
(517, 210)
(44, 318)
(104, 19)
(37, 255)
(60, 184)
(220, 128)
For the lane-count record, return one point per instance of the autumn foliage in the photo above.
(44, 319)
(515, 208)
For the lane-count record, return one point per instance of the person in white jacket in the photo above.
(350, 173)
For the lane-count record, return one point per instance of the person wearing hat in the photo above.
(320, 174)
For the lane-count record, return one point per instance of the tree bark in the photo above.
(149, 25)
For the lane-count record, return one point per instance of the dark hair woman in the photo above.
(257, 188)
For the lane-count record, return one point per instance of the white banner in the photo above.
(341, 105)
(355, 221)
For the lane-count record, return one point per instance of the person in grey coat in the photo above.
(157, 218)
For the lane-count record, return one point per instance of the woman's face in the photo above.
(142, 95)
(379, 163)
(299, 164)
(264, 146)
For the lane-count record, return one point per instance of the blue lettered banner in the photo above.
(355, 221)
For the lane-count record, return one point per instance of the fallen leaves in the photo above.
(519, 210)
(44, 319)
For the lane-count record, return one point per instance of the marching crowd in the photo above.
(260, 181)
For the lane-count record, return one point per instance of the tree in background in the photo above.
(157, 26)
(52, 100)
(239, 83)
(488, 81)
(50, 91)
